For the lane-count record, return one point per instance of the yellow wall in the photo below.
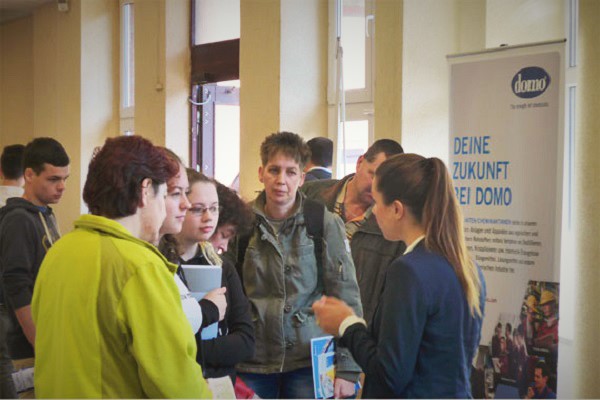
(283, 70)
(162, 73)
(99, 78)
(260, 22)
(16, 85)
(524, 21)
(57, 88)
(177, 75)
(430, 32)
(149, 70)
(303, 101)
(62, 79)
(585, 373)
(388, 70)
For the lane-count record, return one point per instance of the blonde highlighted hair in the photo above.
(169, 246)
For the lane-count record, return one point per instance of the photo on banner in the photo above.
(521, 343)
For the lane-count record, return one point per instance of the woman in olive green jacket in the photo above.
(282, 279)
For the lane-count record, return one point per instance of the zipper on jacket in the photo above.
(283, 310)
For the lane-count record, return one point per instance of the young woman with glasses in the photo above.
(235, 334)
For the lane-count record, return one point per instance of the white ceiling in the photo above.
(15, 9)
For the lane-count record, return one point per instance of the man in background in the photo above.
(27, 230)
(321, 155)
(350, 198)
(11, 172)
(540, 388)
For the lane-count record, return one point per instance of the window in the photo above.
(127, 68)
(351, 81)
(227, 132)
(357, 45)
(215, 95)
(218, 124)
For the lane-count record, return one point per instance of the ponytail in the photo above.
(424, 186)
(443, 223)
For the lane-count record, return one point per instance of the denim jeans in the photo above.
(7, 387)
(297, 384)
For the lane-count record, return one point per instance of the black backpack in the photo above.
(314, 213)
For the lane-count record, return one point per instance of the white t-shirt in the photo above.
(7, 192)
(191, 308)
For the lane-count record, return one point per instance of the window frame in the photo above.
(355, 104)
(127, 68)
(210, 63)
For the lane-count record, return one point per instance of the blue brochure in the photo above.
(323, 364)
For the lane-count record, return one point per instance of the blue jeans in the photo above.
(297, 384)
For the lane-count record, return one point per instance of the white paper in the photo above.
(221, 388)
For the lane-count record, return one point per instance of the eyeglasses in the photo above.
(198, 211)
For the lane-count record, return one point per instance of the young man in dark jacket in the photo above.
(321, 156)
(11, 174)
(350, 198)
(27, 230)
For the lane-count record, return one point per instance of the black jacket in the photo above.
(26, 234)
(235, 340)
(317, 174)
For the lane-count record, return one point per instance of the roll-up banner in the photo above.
(505, 159)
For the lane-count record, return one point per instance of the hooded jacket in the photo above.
(26, 233)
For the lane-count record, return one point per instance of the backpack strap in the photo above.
(242, 245)
(314, 215)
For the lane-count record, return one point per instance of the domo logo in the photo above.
(530, 82)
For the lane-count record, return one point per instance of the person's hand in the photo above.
(343, 388)
(330, 312)
(530, 393)
(217, 296)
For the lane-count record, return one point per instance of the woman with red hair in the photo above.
(107, 310)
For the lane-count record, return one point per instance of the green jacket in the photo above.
(109, 320)
(371, 252)
(281, 281)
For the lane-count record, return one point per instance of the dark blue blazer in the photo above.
(316, 174)
(422, 339)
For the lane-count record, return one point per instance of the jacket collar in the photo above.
(331, 193)
(258, 205)
(330, 196)
(115, 229)
(19, 202)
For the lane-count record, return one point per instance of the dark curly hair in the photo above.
(234, 210)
